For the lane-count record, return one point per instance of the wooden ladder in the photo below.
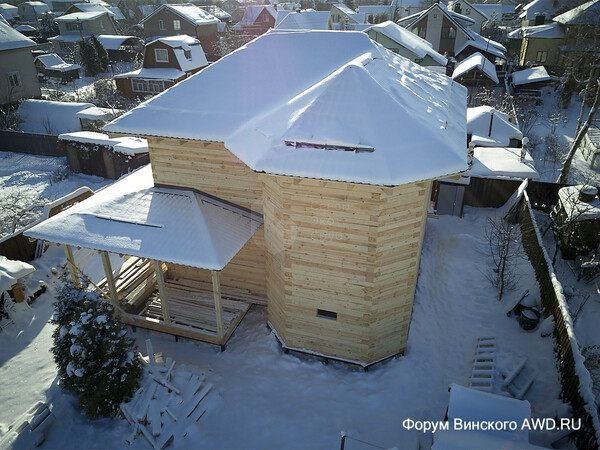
(484, 364)
(516, 382)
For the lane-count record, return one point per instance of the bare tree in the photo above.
(19, 209)
(505, 249)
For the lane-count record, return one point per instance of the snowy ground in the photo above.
(29, 180)
(265, 398)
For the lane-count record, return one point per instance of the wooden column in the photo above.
(162, 291)
(216, 282)
(71, 265)
(110, 280)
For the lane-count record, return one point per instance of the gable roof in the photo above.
(303, 20)
(60, 117)
(539, 7)
(82, 16)
(278, 87)
(476, 61)
(52, 61)
(533, 75)
(586, 14)
(251, 13)
(11, 39)
(502, 129)
(8, 11)
(114, 41)
(546, 31)
(407, 39)
(187, 11)
(474, 8)
(181, 44)
(38, 7)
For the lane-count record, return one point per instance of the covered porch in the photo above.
(160, 228)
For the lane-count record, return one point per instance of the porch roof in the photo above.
(134, 217)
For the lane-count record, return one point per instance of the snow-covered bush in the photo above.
(96, 360)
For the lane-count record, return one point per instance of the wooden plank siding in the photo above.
(207, 167)
(348, 249)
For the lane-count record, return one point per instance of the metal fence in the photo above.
(31, 143)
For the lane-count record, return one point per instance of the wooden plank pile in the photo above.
(167, 403)
(30, 429)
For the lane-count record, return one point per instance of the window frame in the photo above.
(177, 24)
(161, 50)
(14, 80)
(541, 56)
(161, 24)
(146, 86)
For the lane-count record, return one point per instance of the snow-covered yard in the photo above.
(265, 398)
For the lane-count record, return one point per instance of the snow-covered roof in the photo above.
(154, 73)
(38, 7)
(345, 9)
(127, 145)
(11, 271)
(181, 44)
(133, 217)
(502, 129)
(8, 11)
(116, 12)
(91, 7)
(48, 117)
(484, 44)
(532, 75)
(304, 20)
(376, 9)
(252, 12)
(97, 113)
(216, 11)
(11, 39)
(586, 14)
(68, 37)
(539, 7)
(502, 162)
(465, 4)
(578, 210)
(279, 88)
(81, 16)
(476, 61)
(113, 41)
(420, 47)
(493, 11)
(546, 31)
(191, 13)
(24, 28)
(54, 61)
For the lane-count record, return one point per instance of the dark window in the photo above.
(324, 314)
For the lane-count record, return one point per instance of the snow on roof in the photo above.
(154, 73)
(252, 12)
(345, 9)
(216, 11)
(133, 217)
(11, 39)
(502, 162)
(112, 41)
(23, 28)
(538, 7)
(493, 11)
(191, 13)
(304, 20)
(578, 210)
(52, 61)
(96, 113)
(532, 75)
(407, 39)
(68, 37)
(586, 14)
(91, 7)
(484, 44)
(38, 7)
(11, 271)
(476, 61)
(48, 117)
(478, 126)
(116, 12)
(375, 9)
(272, 81)
(546, 31)
(181, 44)
(81, 16)
(127, 145)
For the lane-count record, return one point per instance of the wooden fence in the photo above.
(574, 377)
(31, 143)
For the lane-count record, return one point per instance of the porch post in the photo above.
(110, 280)
(162, 291)
(216, 282)
(71, 265)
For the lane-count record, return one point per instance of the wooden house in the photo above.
(341, 17)
(167, 61)
(307, 187)
(471, 11)
(476, 71)
(75, 26)
(51, 65)
(31, 12)
(188, 19)
(257, 19)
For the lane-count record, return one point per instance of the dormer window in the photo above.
(187, 54)
(161, 55)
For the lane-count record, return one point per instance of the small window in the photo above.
(420, 31)
(14, 80)
(541, 56)
(187, 54)
(177, 25)
(161, 24)
(161, 55)
(435, 15)
(102, 27)
(147, 86)
(324, 314)
(468, 11)
(265, 17)
(74, 26)
(448, 33)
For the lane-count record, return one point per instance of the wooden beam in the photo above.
(162, 291)
(216, 281)
(71, 265)
(110, 280)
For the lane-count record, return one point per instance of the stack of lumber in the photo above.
(30, 429)
(167, 403)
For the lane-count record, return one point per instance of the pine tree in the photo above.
(96, 360)
(89, 58)
(101, 52)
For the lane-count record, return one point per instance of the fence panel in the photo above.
(31, 143)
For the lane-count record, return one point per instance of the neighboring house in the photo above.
(471, 11)
(26, 30)
(341, 17)
(399, 40)
(120, 48)
(9, 12)
(60, 6)
(405, 8)
(175, 20)
(590, 147)
(378, 13)
(448, 32)
(476, 71)
(48, 117)
(18, 77)
(114, 12)
(539, 12)
(540, 45)
(257, 19)
(167, 61)
(530, 83)
(219, 13)
(31, 12)
(51, 65)
(302, 20)
(75, 26)
(301, 181)
(142, 11)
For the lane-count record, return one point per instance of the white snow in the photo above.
(476, 60)
(576, 209)
(171, 225)
(48, 117)
(96, 113)
(127, 145)
(502, 162)
(82, 16)
(191, 13)
(408, 40)
(11, 39)
(503, 130)
(302, 20)
(278, 88)
(113, 42)
(154, 73)
(11, 271)
(533, 75)
(52, 61)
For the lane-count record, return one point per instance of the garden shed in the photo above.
(336, 154)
